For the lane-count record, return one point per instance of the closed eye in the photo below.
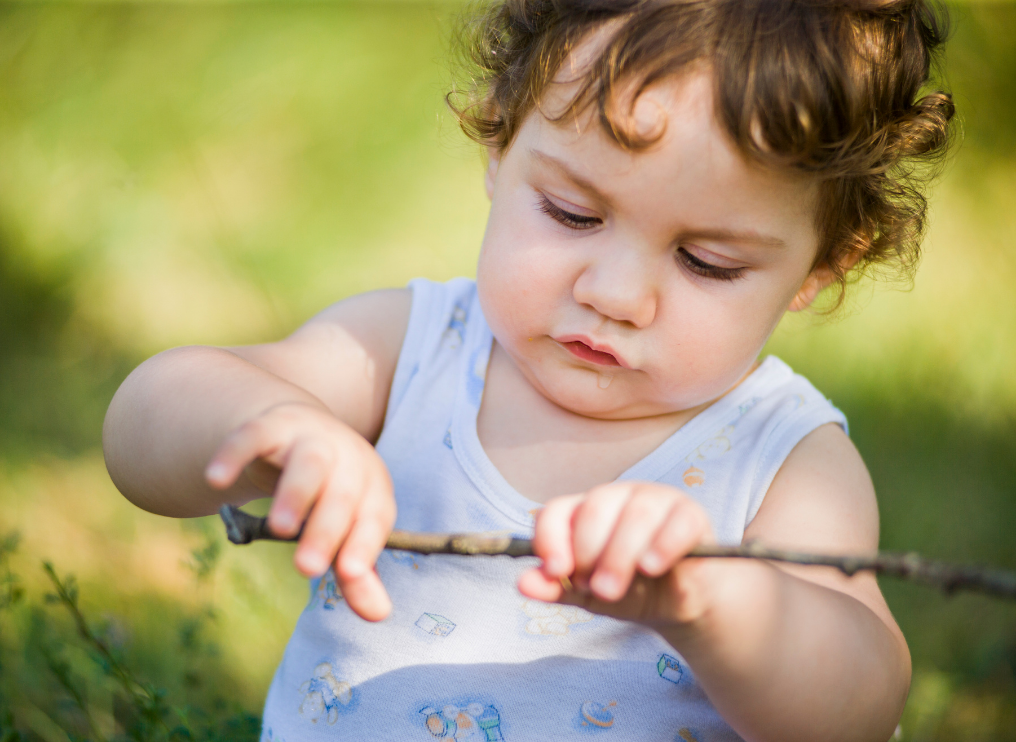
(567, 218)
(707, 270)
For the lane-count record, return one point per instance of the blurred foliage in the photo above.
(177, 173)
(90, 691)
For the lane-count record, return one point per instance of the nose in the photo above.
(621, 285)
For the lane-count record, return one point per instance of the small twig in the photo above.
(242, 528)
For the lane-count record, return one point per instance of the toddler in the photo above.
(667, 178)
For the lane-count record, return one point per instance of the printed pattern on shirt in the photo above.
(670, 668)
(553, 619)
(473, 721)
(596, 716)
(405, 558)
(326, 593)
(455, 333)
(325, 696)
(435, 624)
(714, 447)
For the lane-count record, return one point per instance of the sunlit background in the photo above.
(218, 172)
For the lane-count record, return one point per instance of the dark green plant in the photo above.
(142, 712)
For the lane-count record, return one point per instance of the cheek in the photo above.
(514, 293)
(716, 336)
(520, 277)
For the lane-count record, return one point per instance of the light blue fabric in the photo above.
(465, 656)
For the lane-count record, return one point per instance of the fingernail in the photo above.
(606, 585)
(313, 563)
(216, 472)
(353, 568)
(283, 520)
(651, 562)
(554, 566)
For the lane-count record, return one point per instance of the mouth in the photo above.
(584, 349)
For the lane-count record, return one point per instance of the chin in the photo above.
(587, 399)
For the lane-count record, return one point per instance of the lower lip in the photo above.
(583, 351)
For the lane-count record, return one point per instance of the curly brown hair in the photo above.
(834, 88)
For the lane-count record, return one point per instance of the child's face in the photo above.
(632, 284)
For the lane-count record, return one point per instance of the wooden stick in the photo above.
(242, 528)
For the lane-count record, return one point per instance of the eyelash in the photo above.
(574, 221)
(700, 267)
(707, 270)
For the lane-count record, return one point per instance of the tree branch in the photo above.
(242, 528)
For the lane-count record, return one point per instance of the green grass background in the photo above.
(216, 173)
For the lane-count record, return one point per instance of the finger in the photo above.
(366, 596)
(264, 476)
(303, 478)
(329, 521)
(241, 447)
(639, 521)
(369, 531)
(366, 541)
(641, 601)
(592, 524)
(533, 583)
(685, 527)
(354, 566)
(552, 536)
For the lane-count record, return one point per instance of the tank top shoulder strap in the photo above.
(794, 409)
(437, 326)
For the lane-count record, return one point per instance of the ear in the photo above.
(821, 276)
(493, 160)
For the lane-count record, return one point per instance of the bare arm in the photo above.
(195, 427)
(784, 653)
(345, 356)
(173, 412)
(804, 653)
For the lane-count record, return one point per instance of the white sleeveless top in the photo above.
(463, 655)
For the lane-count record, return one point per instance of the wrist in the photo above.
(714, 596)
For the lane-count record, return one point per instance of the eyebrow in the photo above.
(719, 235)
(579, 180)
(726, 235)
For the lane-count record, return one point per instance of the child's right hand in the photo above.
(330, 472)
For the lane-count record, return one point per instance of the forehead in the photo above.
(693, 168)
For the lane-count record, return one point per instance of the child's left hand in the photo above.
(622, 546)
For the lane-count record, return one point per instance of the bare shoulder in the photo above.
(345, 355)
(822, 497)
(823, 500)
